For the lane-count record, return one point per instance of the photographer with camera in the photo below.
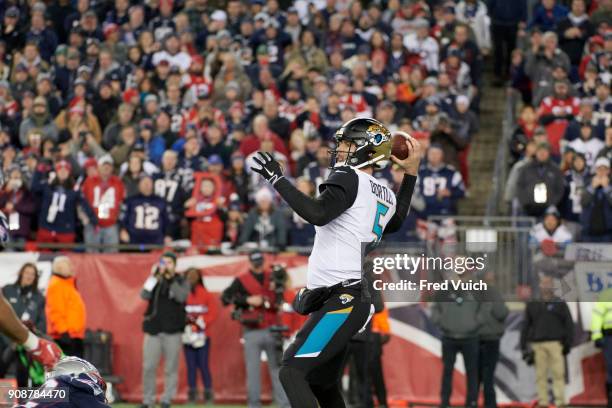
(163, 324)
(256, 296)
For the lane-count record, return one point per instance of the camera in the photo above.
(279, 278)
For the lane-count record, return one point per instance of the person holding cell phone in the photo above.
(164, 320)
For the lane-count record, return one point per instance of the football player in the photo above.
(71, 383)
(353, 208)
(44, 351)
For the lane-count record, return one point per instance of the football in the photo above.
(398, 146)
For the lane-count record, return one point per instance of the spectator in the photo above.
(547, 15)
(29, 305)
(602, 104)
(264, 225)
(39, 119)
(546, 337)
(105, 104)
(144, 217)
(456, 313)
(121, 151)
(132, 175)
(302, 233)
(59, 201)
(164, 320)
(544, 56)
(555, 112)
(587, 145)
(575, 183)
(475, 14)
(607, 150)
(546, 86)
(424, 49)
(469, 53)
(202, 311)
(572, 132)
(252, 296)
(493, 312)
(446, 137)
(518, 76)
(540, 183)
(172, 53)
(506, 19)
(596, 204)
(172, 184)
(39, 34)
(550, 235)
(239, 178)
(18, 204)
(125, 114)
(573, 32)
(203, 209)
(154, 145)
(105, 194)
(261, 132)
(318, 171)
(439, 184)
(526, 127)
(65, 310)
(234, 218)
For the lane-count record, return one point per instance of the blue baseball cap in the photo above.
(215, 159)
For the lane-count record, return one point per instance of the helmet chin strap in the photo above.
(371, 161)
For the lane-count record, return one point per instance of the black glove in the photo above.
(566, 350)
(599, 343)
(528, 357)
(270, 169)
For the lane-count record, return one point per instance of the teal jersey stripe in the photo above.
(322, 333)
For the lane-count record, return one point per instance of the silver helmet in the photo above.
(72, 366)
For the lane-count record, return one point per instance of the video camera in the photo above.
(279, 278)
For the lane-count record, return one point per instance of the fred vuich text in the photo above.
(425, 285)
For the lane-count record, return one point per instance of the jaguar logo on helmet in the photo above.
(370, 143)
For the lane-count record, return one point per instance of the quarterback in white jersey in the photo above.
(353, 208)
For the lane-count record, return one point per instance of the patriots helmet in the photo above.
(371, 141)
(79, 369)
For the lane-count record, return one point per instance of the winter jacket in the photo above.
(533, 175)
(547, 321)
(456, 313)
(65, 309)
(493, 313)
(28, 304)
(202, 304)
(165, 311)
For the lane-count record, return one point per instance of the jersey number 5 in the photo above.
(381, 210)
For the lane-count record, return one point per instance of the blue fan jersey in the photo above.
(145, 219)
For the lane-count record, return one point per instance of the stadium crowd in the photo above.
(562, 144)
(136, 122)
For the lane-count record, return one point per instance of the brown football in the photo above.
(398, 146)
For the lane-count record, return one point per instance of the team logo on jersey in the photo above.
(345, 298)
(377, 134)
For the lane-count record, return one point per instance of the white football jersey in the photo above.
(336, 253)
